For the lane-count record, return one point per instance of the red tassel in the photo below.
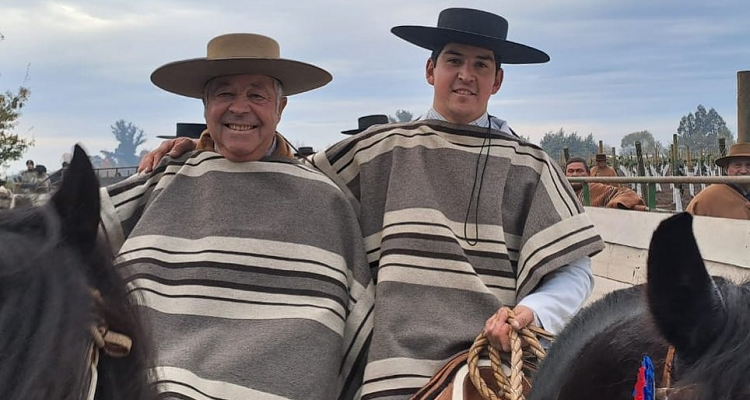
(640, 384)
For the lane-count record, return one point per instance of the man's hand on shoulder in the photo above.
(172, 147)
(497, 328)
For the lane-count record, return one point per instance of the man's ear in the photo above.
(282, 105)
(498, 80)
(430, 72)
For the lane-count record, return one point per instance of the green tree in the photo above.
(701, 130)
(401, 116)
(12, 146)
(130, 137)
(578, 146)
(648, 143)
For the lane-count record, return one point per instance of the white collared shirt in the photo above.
(482, 122)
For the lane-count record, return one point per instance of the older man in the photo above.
(726, 200)
(602, 195)
(249, 266)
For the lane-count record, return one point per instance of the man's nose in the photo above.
(240, 105)
(466, 73)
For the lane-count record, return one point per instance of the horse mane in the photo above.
(47, 309)
(724, 365)
(581, 331)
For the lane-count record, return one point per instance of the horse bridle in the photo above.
(662, 393)
(113, 344)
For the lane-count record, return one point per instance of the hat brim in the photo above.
(166, 136)
(352, 131)
(724, 161)
(436, 38)
(188, 77)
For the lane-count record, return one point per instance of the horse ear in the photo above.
(686, 304)
(77, 201)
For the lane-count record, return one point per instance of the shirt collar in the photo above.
(483, 121)
(268, 152)
(273, 146)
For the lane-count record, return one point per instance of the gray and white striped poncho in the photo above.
(410, 185)
(252, 277)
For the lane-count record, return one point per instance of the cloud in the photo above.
(617, 66)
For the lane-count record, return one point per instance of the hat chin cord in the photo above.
(478, 178)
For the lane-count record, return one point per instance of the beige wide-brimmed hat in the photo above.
(735, 151)
(239, 54)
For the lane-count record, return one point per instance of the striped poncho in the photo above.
(411, 186)
(252, 277)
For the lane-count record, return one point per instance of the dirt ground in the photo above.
(665, 201)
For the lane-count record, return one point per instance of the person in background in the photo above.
(602, 168)
(600, 194)
(29, 177)
(726, 200)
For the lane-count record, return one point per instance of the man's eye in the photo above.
(224, 94)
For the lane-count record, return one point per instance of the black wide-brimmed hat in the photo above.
(192, 131)
(475, 28)
(304, 151)
(366, 122)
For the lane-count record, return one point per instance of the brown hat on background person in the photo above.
(601, 157)
(737, 150)
(366, 122)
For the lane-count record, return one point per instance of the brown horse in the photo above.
(705, 319)
(65, 322)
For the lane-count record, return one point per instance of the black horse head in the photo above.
(50, 264)
(705, 319)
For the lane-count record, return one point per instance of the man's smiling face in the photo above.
(464, 78)
(242, 112)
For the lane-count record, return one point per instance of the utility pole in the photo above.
(743, 106)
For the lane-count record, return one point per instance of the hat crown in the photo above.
(190, 130)
(736, 150)
(242, 45)
(739, 150)
(370, 120)
(474, 21)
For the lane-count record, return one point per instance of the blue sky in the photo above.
(617, 66)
